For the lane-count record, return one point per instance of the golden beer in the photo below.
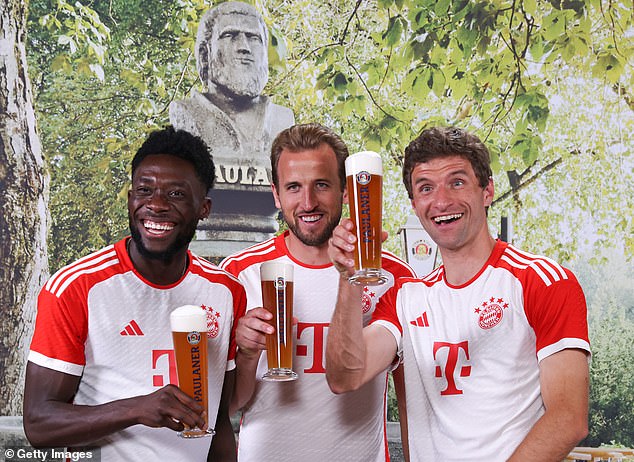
(364, 177)
(277, 298)
(189, 333)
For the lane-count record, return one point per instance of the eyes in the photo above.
(427, 188)
(319, 186)
(145, 191)
(232, 35)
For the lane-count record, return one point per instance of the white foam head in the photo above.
(188, 318)
(271, 270)
(368, 161)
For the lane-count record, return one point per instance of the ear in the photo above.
(276, 197)
(205, 209)
(488, 193)
(345, 195)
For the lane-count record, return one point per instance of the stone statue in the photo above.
(233, 117)
(238, 124)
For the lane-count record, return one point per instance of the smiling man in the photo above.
(303, 419)
(494, 342)
(101, 367)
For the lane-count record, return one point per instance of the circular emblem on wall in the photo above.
(363, 177)
(193, 338)
(490, 316)
(421, 250)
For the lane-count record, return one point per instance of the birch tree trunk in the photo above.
(23, 211)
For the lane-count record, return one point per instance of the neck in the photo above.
(307, 254)
(462, 264)
(157, 271)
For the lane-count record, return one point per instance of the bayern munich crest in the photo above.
(491, 312)
(366, 300)
(213, 325)
(363, 177)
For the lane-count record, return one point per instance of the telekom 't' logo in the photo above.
(449, 372)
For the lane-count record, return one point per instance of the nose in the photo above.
(242, 43)
(441, 197)
(309, 199)
(157, 202)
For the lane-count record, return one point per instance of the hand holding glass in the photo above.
(277, 298)
(364, 176)
(189, 332)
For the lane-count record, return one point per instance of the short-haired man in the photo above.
(494, 342)
(101, 368)
(303, 419)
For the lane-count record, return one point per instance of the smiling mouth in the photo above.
(157, 228)
(310, 218)
(444, 219)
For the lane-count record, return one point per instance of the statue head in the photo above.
(232, 50)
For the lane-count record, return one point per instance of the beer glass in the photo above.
(277, 298)
(364, 177)
(189, 332)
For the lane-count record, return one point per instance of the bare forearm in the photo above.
(550, 439)
(223, 445)
(246, 368)
(57, 424)
(345, 350)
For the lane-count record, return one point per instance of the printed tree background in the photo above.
(547, 84)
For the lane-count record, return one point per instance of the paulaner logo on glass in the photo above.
(16, 454)
(364, 178)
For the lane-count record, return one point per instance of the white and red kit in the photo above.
(303, 419)
(471, 353)
(99, 319)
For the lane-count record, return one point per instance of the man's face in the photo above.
(165, 202)
(238, 56)
(450, 203)
(309, 193)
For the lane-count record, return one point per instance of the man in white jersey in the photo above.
(101, 369)
(286, 421)
(494, 343)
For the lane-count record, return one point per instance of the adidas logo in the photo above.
(132, 328)
(420, 321)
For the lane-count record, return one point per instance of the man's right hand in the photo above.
(169, 407)
(252, 330)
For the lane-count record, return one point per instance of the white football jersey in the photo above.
(303, 419)
(98, 318)
(471, 353)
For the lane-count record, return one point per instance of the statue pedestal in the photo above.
(238, 219)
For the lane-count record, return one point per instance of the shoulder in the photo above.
(87, 271)
(395, 265)
(255, 254)
(536, 269)
(213, 273)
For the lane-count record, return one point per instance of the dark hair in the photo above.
(444, 142)
(181, 144)
(302, 137)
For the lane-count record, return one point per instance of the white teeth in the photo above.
(447, 217)
(311, 218)
(158, 226)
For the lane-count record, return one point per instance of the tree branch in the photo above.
(526, 183)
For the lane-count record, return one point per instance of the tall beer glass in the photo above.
(277, 298)
(189, 332)
(364, 177)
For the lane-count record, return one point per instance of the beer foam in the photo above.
(271, 270)
(368, 161)
(188, 318)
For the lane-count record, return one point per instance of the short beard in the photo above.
(316, 240)
(239, 84)
(181, 243)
